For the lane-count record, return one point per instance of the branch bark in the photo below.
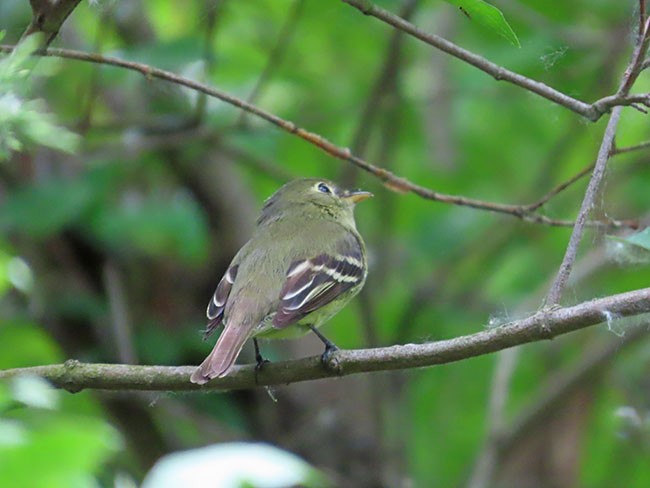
(75, 376)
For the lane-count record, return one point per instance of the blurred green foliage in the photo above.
(48, 441)
(23, 120)
(104, 169)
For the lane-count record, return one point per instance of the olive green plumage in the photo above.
(303, 263)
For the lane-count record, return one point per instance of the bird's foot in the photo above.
(329, 359)
(326, 357)
(260, 362)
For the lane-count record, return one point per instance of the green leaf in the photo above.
(488, 16)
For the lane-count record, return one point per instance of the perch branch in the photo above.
(75, 376)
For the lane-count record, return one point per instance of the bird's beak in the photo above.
(356, 196)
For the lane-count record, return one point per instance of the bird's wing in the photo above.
(218, 301)
(312, 283)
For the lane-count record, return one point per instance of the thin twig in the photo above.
(76, 376)
(390, 180)
(591, 112)
(628, 149)
(559, 188)
(550, 398)
(531, 207)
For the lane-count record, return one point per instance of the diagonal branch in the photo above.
(606, 147)
(391, 181)
(560, 188)
(75, 376)
(592, 112)
(557, 288)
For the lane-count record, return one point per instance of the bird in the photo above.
(305, 260)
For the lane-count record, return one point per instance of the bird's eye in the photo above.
(323, 188)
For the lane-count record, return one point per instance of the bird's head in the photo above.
(314, 194)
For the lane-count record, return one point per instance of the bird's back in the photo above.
(272, 260)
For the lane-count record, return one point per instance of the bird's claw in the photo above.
(260, 362)
(327, 357)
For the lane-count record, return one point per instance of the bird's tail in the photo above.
(223, 355)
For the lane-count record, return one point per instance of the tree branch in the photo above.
(560, 188)
(75, 376)
(592, 112)
(391, 181)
